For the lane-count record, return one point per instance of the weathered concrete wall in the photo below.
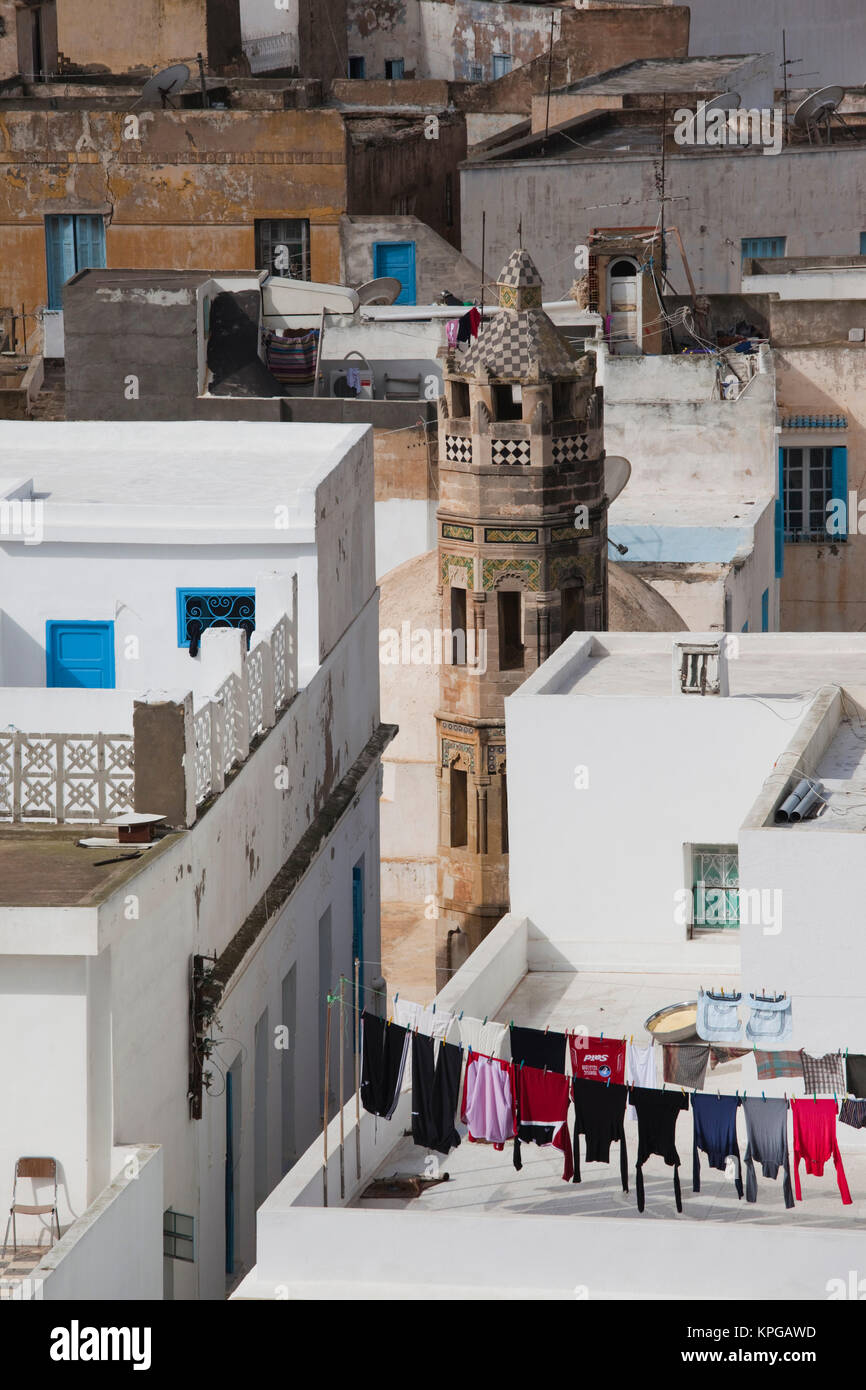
(593, 41)
(322, 39)
(438, 265)
(823, 586)
(383, 167)
(720, 198)
(153, 34)
(183, 195)
(8, 39)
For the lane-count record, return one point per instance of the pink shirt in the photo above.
(488, 1105)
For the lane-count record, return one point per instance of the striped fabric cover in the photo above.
(292, 359)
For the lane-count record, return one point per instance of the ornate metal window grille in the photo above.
(199, 609)
(716, 887)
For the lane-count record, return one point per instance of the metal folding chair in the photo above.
(34, 1169)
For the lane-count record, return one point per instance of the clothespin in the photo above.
(834, 1098)
(545, 1031)
(523, 1063)
(631, 1039)
(601, 1035)
(511, 1024)
(459, 1016)
(814, 1097)
(434, 1006)
(391, 1019)
(764, 1094)
(484, 1020)
(469, 1053)
(396, 997)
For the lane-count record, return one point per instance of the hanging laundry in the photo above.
(771, 1065)
(488, 1100)
(292, 357)
(657, 1115)
(770, 1020)
(718, 1017)
(853, 1113)
(599, 1113)
(542, 1113)
(474, 317)
(451, 329)
(536, 1048)
(384, 1047)
(488, 1038)
(640, 1063)
(720, 1056)
(823, 1074)
(815, 1142)
(715, 1134)
(597, 1059)
(353, 380)
(685, 1064)
(855, 1073)
(464, 329)
(435, 1093)
(411, 1015)
(767, 1143)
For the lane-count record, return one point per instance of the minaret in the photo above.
(522, 534)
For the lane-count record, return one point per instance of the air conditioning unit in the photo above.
(340, 384)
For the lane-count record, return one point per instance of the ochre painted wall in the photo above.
(150, 33)
(185, 194)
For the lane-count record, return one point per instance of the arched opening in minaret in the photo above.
(458, 627)
(459, 808)
(572, 610)
(507, 403)
(510, 616)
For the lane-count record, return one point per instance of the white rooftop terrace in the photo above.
(109, 481)
(785, 666)
(491, 1232)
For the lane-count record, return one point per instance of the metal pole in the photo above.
(204, 96)
(483, 248)
(325, 1103)
(356, 1036)
(342, 1094)
(549, 76)
(319, 354)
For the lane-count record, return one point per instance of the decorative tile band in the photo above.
(452, 532)
(459, 755)
(527, 571)
(463, 564)
(572, 448)
(495, 757)
(510, 452)
(498, 535)
(452, 728)
(566, 567)
(568, 533)
(458, 449)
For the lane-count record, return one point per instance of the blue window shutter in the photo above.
(765, 611)
(59, 256)
(863, 243)
(839, 466)
(89, 242)
(745, 626)
(780, 521)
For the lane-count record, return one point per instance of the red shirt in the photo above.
(597, 1059)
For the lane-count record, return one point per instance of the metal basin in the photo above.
(678, 1030)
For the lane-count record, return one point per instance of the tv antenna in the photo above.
(820, 109)
(164, 85)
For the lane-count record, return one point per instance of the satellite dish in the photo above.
(820, 109)
(617, 471)
(725, 101)
(382, 291)
(165, 84)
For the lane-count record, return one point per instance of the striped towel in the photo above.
(773, 1064)
(292, 359)
(685, 1064)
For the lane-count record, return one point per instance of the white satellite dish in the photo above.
(617, 471)
(382, 291)
(820, 109)
(164, 84)
(725, 101)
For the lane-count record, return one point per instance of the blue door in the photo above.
(396, 258)
(72, 243)
(80, 654)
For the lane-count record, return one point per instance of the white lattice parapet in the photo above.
(65, 777)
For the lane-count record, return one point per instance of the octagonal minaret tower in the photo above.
(522, 535)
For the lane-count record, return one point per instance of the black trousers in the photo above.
(435, 1093)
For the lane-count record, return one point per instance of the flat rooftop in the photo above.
(174, 474)
(483, 1181)
(710, 75)
(682, 529)
(785, 666)
(44, 866)
(842, 771)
